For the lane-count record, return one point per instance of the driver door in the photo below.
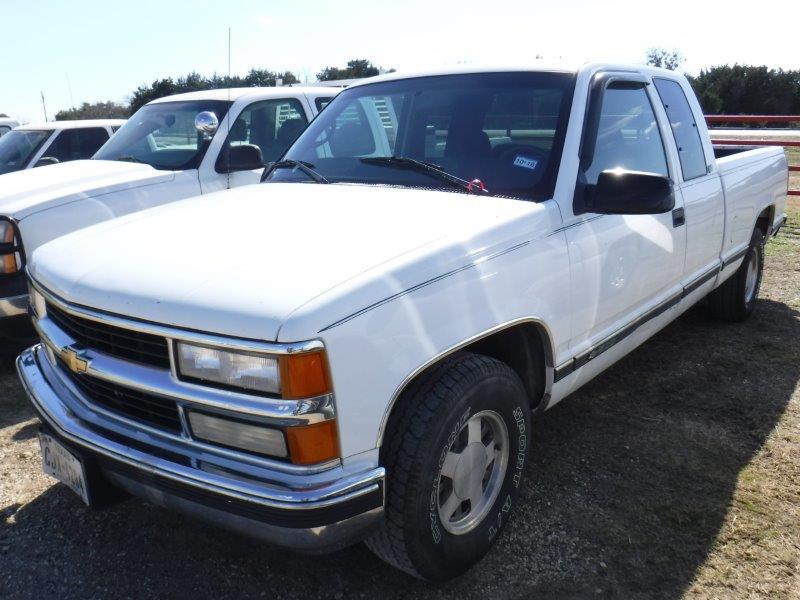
(261, 133)
(624, 267)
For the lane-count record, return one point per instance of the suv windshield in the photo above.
(18, 147)
(163, 135)
(504, 129)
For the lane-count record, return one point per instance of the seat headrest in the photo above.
(290, 131)
(469, 144)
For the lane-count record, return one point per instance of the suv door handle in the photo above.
(678, 217)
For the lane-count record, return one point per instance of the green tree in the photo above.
(355, 69)
(746, 89)
(194, 82)
(666, 59)
(3, 116)
(96, 110)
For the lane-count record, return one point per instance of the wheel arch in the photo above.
(765, 220)
(534, 363)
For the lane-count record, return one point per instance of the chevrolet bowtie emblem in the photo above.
(74, 360)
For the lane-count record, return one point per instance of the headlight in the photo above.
(237, 434)
(234, 369)
(292, 376)
(11, 257)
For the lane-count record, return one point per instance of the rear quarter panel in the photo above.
(752, 181)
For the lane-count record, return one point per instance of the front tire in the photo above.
(735, 300)
(455, 452)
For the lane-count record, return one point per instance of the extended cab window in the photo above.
(77, 144)
(684, 128)
(322, 101)
(628, 136)
(270, 125)
(504, 129)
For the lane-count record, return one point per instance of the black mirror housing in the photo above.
(244, 157)
(621, 192)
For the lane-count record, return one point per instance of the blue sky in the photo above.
(107, 49)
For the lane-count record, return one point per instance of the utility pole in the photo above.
(44, 107)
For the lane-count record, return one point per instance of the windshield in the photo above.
(504, 129)
(163, 135)
(18, 147)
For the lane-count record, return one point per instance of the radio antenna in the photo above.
(44, 107)
(69, 87)
(228, 115)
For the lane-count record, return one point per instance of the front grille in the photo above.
(140, 406)
(115, 341)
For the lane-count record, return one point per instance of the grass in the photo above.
(756, 552)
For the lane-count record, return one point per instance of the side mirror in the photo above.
(245, 157)
(206, 123)
(46, 160)
(620, 192)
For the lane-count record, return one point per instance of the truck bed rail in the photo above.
(758, 137)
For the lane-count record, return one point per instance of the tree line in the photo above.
(194, 82)
(737, 89)
(726, 89)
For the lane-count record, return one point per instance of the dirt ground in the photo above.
(674, 474)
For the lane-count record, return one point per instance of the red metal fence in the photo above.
(758, 119)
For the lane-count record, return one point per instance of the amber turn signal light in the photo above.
(304, 375)
(311, 444)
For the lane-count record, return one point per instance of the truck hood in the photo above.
(239, 262)
(26, 192)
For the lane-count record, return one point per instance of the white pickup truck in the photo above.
(167, 151)
(7, 124)
(354, 350)
(43, 144)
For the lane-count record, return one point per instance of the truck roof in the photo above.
(239, 93)
(531, 67)
(81, 124)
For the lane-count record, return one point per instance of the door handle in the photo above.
(678, 217)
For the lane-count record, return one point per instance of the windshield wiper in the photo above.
(475, 186)
(301, 165)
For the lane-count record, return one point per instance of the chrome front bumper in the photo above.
(314, 512)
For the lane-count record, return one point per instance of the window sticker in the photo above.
(525, 162)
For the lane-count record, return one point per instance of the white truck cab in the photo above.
(53, 142)
(158, 156)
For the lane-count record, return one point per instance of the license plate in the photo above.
(58, 462)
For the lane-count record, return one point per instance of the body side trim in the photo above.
(573, 364)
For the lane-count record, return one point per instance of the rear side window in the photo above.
(628, 136)
(77, 144)
(322, 101)
(684, 128)
(4, 130)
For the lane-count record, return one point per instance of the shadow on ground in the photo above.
(629, 483)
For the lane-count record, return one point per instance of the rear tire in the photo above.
(455, 452)
(735, 300)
